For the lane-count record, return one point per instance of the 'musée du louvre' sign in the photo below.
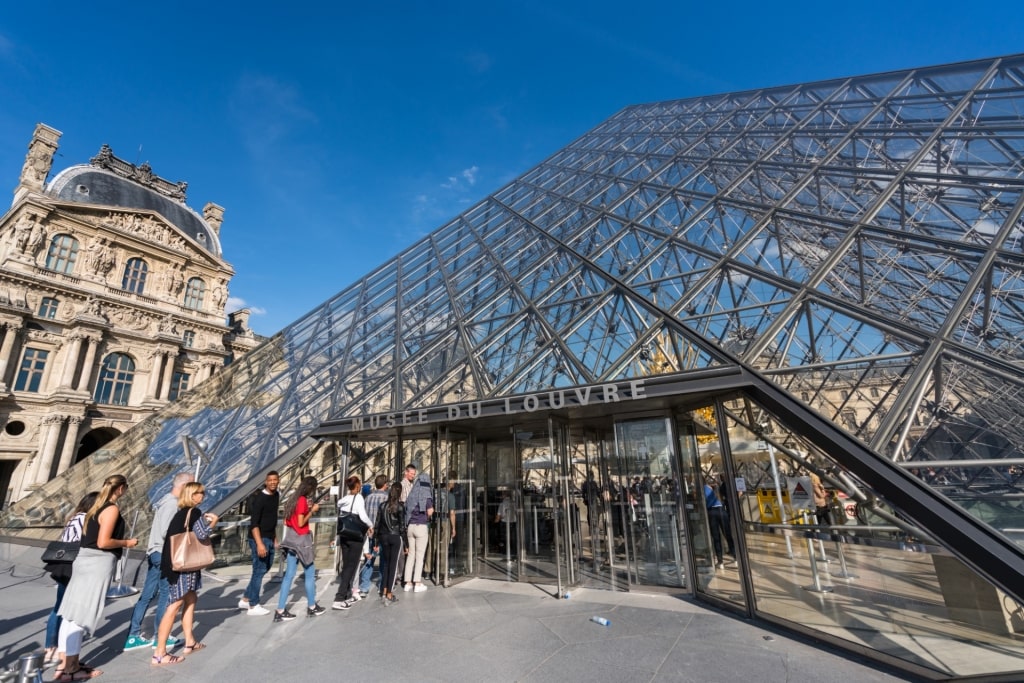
(693, 381)
(554, 399)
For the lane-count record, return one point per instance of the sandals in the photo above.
(167, 659)
(84, 673)
(196, 647)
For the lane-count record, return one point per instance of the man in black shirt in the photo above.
(262, 541)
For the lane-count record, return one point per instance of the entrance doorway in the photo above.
(596, 504)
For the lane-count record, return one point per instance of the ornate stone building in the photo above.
(112, 296)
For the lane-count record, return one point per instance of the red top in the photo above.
(301, 508)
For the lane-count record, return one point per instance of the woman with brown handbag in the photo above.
(183, 585)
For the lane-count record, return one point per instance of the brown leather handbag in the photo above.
(188, 553)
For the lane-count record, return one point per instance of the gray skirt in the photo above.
(86, 593)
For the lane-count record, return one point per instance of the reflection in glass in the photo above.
(852, 566)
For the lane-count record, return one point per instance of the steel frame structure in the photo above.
(853, 245)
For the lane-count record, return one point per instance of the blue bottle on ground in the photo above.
(600, 620)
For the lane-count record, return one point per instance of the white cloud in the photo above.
(236, 303)
(466, 176)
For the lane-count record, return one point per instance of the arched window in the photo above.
(134, 279)
(115, 383)
(194, 293)
(62, 254)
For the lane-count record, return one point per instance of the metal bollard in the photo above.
(30, 668)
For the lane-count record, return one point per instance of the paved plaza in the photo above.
(480, 630)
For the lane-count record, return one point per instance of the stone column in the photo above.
(67, 454)
(165, 388)
(85, 378)
(44, 460)
(67, 375)
(154, 374)
(7, 350)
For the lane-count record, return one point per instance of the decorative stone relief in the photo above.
(93, 308)
(131, 318)
(29, 235)
(174, 280)
(99, 257)
(146, 227)
(167, 325)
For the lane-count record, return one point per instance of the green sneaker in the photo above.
(135, 642)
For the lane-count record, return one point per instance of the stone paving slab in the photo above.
(480, 630)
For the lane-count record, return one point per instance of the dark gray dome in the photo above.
(90, 185)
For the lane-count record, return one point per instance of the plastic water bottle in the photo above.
(600, 620)
(567, 595)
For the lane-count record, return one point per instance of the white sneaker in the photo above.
(257, 611)
(243, 604)
(408, 587)
(355, 598)
(420, 588)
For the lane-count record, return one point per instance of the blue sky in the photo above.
(335, 134)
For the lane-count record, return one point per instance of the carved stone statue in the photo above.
(167, 325)
(37, 164)
(219, 295)
(23, 231)
(37, 239)
(94, 308)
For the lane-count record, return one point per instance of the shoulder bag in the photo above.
(188, 552)
(350, 526)
(60, 552)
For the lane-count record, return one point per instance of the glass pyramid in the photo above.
(856, 242)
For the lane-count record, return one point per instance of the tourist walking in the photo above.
(154, 585)
(419, 508)
(388, 536)
(352, 504)
(373, 503)
(103, 542)
(297, 545)
(183, 587)
(263, 508)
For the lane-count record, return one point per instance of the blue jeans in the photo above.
(260, 566)
(366, 573)
(291, 568)
(155, 585)
(53, 623)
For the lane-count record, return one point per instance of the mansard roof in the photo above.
(110, 181)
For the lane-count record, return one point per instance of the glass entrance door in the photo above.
(456, 527)
(711, 497)
(644, 504)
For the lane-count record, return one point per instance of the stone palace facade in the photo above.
(112, 304)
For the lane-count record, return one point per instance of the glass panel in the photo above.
(827, 553)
